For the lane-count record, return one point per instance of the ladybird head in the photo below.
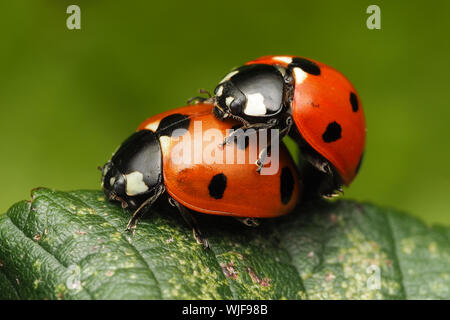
(134, 170)
(249, 92)
(229, 100)
(113, 183)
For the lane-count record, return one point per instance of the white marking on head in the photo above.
(106, 168)
(152, 126)
(135, 183)
(228, 76)
(219, 91)
(255, 105)
(283, 59)
(228, 101)
(112, 180)
(299, 75)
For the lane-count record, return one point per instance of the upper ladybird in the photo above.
(309, 100)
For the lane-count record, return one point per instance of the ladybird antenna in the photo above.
(204, 91)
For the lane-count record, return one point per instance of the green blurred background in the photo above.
(68, 98)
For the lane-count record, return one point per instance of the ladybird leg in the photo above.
(137, 215)
(263, 154)
(192, 222)
(318, 162)
(262, 158)
(319, 177)
(287, 128)
(250, 222)
(257, 126)
(333, 192)
(230, 138)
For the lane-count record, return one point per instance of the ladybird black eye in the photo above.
(113, 182)
(109, 175)
(234, 105)
(229, 97)
(119, 185)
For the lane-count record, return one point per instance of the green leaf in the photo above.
(72, 245)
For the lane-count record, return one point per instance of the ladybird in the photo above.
(312, 102)
(145, 167)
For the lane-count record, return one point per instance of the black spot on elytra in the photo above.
(354, 101)
(306, 65)
(332, 133)
(173, 122)
(286, 185)
(359, 164)
(238, 140)
(217, 186)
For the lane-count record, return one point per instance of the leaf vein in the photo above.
(35, 243)
(78, 198)
(395, 253)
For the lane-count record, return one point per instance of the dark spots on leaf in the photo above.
(263, 282)
(332, 133)
(354, 101)
(173, 122)
(217, 186)
(306, 65)
(228, 270)
(359, 164)
(286, 185)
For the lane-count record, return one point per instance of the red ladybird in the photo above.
(311, 101)
(146, 166)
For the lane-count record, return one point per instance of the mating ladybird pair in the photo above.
(307, 100)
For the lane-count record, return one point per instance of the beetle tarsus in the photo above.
(143, 208)
(262, 159)
(249, 222)
(191, 222)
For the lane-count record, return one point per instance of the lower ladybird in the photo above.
(172, 154)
